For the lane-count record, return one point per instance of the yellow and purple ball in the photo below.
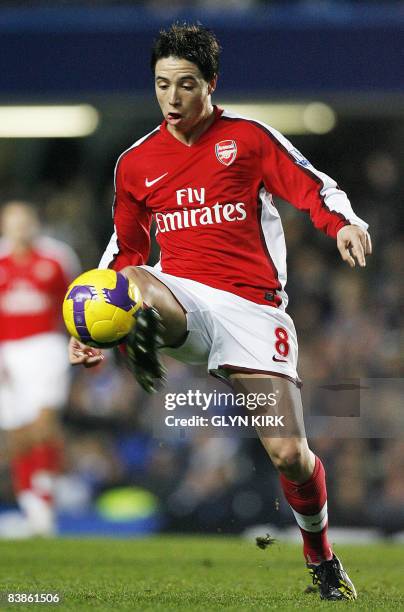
(100, 307)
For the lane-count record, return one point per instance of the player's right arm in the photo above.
(129, 246)
(130, 242)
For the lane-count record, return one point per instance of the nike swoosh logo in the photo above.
(150, 183)
(280, 360)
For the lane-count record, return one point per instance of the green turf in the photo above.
(182, 573)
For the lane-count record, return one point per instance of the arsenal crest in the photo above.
(226, 151)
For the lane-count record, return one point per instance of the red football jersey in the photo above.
(212, 203)
(32, 288)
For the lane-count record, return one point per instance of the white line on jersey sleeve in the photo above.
(135, 144)
(274, 236)
(110, 252)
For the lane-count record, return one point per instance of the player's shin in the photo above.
(309, 505)
(34, 475)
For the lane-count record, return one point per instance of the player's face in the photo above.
(19, 224)
(182, 93)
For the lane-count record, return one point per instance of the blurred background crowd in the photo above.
(350, 323)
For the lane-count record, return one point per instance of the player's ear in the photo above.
(212, 85)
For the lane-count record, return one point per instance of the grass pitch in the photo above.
(183, 573)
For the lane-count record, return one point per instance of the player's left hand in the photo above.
(354, 243)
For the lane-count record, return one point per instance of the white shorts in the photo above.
(229, 333)
(34, 374)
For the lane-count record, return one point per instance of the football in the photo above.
(100, 307)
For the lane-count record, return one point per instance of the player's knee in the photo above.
(153, 292)
(18, 443)
(140, 278)
(288, 457)
(46, 427)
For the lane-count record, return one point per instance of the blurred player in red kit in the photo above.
(207, 177)
(34, 371)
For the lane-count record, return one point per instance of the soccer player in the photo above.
(34, 369)
(207, 177)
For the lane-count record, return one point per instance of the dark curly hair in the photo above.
(192, 42)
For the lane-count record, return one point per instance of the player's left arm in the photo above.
(289, 175)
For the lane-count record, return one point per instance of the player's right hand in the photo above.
(80, 353)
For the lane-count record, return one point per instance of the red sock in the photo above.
(47, 456)
(46, 463)
(35, 469)
(21, 472)
(309, 504)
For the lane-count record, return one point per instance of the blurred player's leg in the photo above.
(35, 384)
(302, 477)
(36, 452)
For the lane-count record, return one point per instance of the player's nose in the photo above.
(173, 97)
